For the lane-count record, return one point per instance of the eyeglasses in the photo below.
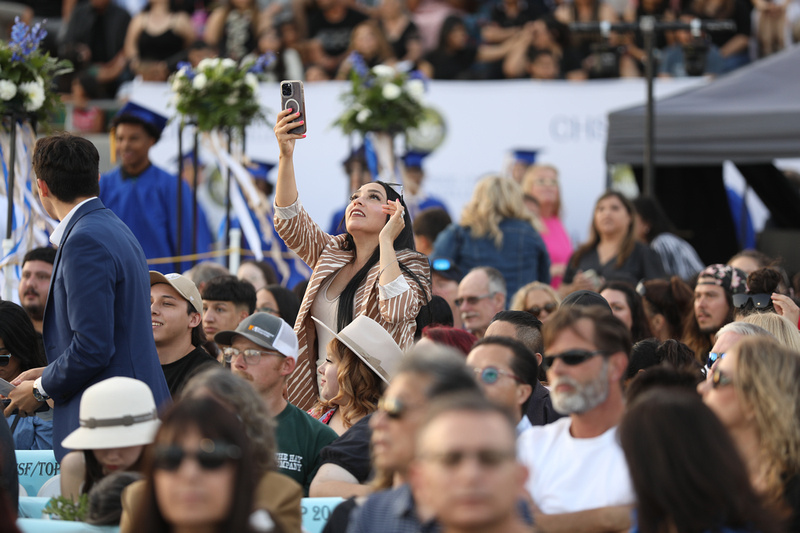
(5, 359)
(719, 379)
(472, 300)
(211, 455)
(491, 374)
(251, 357)
(713, 358)
(535, 310)
(570, 357)
(486, 458)
(269, 310)
(394, 407)
(760, 301)
(397, 187)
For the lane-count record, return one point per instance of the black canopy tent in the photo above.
(750, 117)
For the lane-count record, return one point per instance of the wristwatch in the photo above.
(38, 395)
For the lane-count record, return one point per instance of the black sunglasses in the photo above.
(4, 359)
(571, 357)
(535, 310)
(211, 455)
(760, 301)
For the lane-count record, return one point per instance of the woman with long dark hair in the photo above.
(279, 301)
(199, 474)
(19, 351)
(612, 251)
(685, 469)
(666, 304)
(626, 305)
(372, 269)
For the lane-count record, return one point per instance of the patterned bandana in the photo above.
(729, 278)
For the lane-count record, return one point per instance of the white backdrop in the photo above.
(566, 121)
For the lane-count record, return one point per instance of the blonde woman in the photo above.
(497, 230)
(755, 392)
(779, 326)
(543, 196)
(537, 298)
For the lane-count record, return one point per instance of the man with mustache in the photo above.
(37, 267)
(578, 476)
(263, 351)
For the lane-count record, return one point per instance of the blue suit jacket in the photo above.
(97, 320)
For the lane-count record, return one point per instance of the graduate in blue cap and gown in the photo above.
(415, 197)
(145, 196)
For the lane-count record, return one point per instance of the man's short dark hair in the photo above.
(610, 334)
(430, 222)
(231, 289)
(45, 254)
(69, 165)
(523, 361)
(470, 402)
(149, 129)
(527, 326)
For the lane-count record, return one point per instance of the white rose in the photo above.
(231, 99)
(383, 71)
(34, 95)
(227, 63)
(252, 81)
(207, 63)
(391, 91)
(7, 90)
(199, 82)
(363, 116)
(416, 88)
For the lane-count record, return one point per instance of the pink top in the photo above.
(558, 245)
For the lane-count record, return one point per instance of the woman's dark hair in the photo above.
(436, 311)
(94, 470)
(403, 241)
(672, 299)
(269, 273)
(214, 422)
(650, 211)
(19, 337)
(628, 243)
(449, 24)
(643, 356)
(688, 488)
(288, 304)
(640, 327)
(765, 280)
(105, 505)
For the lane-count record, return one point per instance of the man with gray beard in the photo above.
(578, 476)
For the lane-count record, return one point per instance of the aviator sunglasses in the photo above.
(570, 357)
(211, 455)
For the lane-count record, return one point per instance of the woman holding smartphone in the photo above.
(372, 269)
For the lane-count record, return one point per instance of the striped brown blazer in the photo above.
(324, 254)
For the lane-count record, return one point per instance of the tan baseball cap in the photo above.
(183, 285)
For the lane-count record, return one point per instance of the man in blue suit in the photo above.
(97, 320)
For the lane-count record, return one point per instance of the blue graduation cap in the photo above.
(525, 155)
(259, 169)
(413, 158)
(153, 122)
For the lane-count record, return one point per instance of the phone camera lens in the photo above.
(287, 90)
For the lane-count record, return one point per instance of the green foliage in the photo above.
(381, 99)
(219, 94)
(64, 508)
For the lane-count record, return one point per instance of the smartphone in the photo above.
(292, 97)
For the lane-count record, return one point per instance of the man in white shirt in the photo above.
(578, 476)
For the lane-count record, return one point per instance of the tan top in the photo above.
(324, 254)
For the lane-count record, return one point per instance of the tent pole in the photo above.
(647, 26)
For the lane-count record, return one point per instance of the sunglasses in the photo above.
(211, 455)
(760, 301)
(491, 374)
(535, 310)
(441, 264)
(570, 357)
(472, 300)
(251, 357)
(719, 379)
(4, 359)
(393, 407)
(486, 458)
(713, 358)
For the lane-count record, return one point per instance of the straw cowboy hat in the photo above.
(115, 413)
(371, 343)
